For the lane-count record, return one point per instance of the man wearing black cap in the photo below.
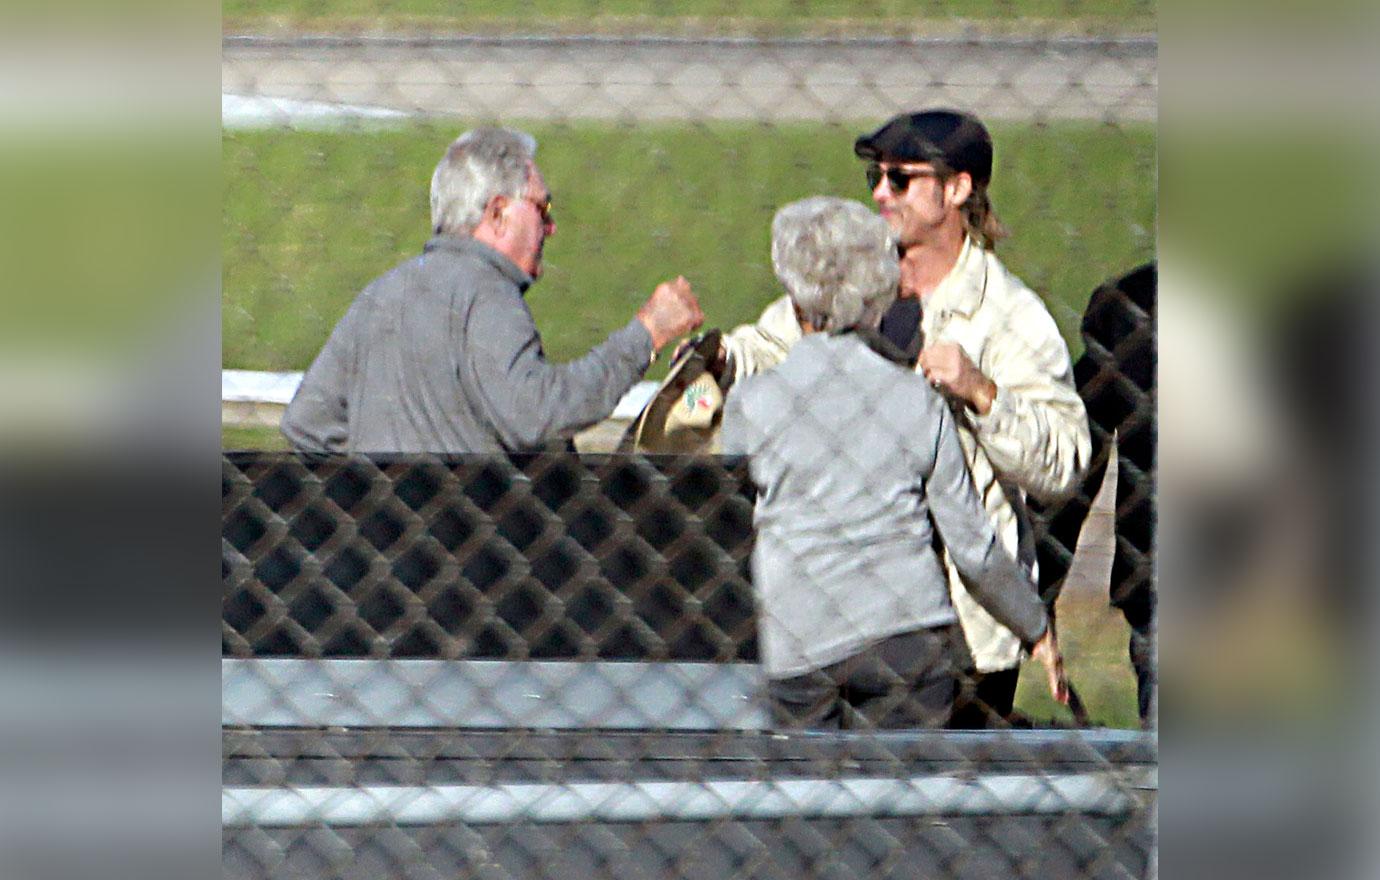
(979, 335)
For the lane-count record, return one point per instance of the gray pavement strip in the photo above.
(647, 79)
(1139, 43)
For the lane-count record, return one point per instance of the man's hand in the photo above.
(1046, 650)
(670, 311)
(948, 368)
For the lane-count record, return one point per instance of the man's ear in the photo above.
(959, 188)
(493, 212)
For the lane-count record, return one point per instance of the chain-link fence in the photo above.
(666, 155)
(546, 666)
(549, 665)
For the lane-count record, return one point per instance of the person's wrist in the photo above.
(650, 326)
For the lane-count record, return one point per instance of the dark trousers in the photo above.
(986, 700)
(1140, 616)
(1143, 661)
(907, 680)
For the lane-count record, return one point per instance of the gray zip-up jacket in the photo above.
(442, 355)
(854, 456)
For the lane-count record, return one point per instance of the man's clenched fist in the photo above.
(1046, 650)
(671, 311)
(949, 369)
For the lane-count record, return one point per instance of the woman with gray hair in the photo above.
(857, 461)
(837, 260)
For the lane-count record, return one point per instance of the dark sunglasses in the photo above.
(899, 178)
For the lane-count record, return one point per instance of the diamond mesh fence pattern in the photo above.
(545, 558)
(639, 79)
(666, 154)
(548, 665)
(544, 667)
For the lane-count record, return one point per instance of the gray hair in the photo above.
(480, 164)
(837, 260)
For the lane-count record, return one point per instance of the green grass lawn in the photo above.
(252, 437)
(311, 217)
(773, 16)
(1093, 638)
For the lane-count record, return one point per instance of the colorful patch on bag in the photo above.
(697, 396)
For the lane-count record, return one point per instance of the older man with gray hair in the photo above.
(441, 354)
(857, 460)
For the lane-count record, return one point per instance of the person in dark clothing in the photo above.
(1116, 379)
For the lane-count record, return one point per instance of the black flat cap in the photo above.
(957, 139)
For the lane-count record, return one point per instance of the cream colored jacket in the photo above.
(1033, 441)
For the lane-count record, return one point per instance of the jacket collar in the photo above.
(962, 289)
(479, 250)
(879, 344)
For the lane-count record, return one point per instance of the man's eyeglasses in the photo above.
(898, 178)
(543, 207)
